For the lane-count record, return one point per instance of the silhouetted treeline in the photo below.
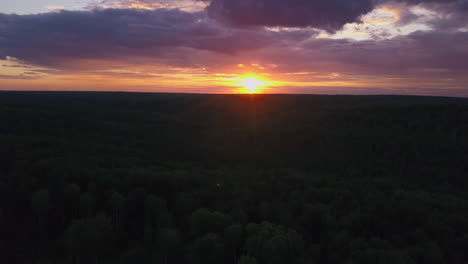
(167, 178)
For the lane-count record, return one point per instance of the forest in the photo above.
(90, 177)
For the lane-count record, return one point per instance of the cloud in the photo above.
(163, 43)
(100, 39)
(325, 14)
(330, 15)
(16, 66)
(185, 5)
(422, 53)
(50, 38)
(16, 77)
(54, 7)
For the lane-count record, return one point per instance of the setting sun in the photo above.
(252, 84)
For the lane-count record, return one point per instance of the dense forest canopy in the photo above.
(177, 178)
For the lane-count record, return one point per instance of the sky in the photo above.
(408, 47)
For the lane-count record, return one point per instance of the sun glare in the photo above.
(252, 85)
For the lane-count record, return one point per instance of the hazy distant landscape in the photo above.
(180, 178)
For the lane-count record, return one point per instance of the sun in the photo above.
(252, 85)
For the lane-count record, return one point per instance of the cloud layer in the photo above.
(329, 15)
(277, 38)
(112, 33)
(326, 14)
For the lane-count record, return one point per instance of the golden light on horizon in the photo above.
(252, 85)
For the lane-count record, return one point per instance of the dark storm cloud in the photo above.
(329, 15)
(110, 33)
(325, 14)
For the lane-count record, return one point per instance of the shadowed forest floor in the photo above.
(178, 178)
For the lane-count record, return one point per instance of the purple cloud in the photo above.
(329, 15)
(110, 33)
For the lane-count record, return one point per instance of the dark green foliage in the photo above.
(40, 203)
(168, 242)
(269, 243)
(208, 249)
(234, 236)
(203, 221)
(247, 260)
(90, 238)
(159, 178)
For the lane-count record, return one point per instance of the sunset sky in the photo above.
(417, 47)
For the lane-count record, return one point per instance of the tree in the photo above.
(136, 211)
(233, 236)
(208, 249)
(154, 206)
(274, 244)
(165, 219)
(40, 204)
(247, 260)
(72, 197)
(203, 221)
(89, 239)
(239, 216)
(313, 220)
(117, 203)
(87, 204)
(186, 203)
(168, 241)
